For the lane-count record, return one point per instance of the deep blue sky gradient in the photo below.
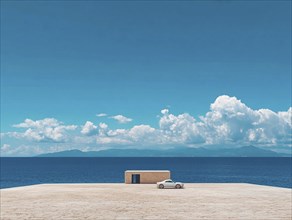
(73, 59)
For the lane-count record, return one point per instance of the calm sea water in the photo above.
(28, 171)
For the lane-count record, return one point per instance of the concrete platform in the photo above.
(123, 201)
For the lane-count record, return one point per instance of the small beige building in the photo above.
(146, 176)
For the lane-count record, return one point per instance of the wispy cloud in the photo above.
(121, 119)
(101, 115)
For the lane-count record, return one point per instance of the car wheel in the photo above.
(177, 186)
(161, 186)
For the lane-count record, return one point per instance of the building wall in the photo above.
(147, 177)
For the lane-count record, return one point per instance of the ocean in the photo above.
(33, 170)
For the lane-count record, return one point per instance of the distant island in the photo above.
(246, 151)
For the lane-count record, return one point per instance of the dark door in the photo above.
(135, 178)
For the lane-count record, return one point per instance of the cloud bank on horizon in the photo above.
(229, 122)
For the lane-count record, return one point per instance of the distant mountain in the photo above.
(246, 151)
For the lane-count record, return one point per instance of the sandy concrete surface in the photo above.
(123, 201)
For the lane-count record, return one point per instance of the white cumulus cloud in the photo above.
(5, 147)
(137, 135)
(89, 128)
(231, 121)
(45, 130)
(180, 129)
(164, 111)
(228, 122)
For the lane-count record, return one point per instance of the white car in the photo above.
(169, 184)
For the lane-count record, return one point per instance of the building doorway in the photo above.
(135, 178)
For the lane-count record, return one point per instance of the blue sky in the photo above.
(71, 60)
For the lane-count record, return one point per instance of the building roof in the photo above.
(147, 171)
